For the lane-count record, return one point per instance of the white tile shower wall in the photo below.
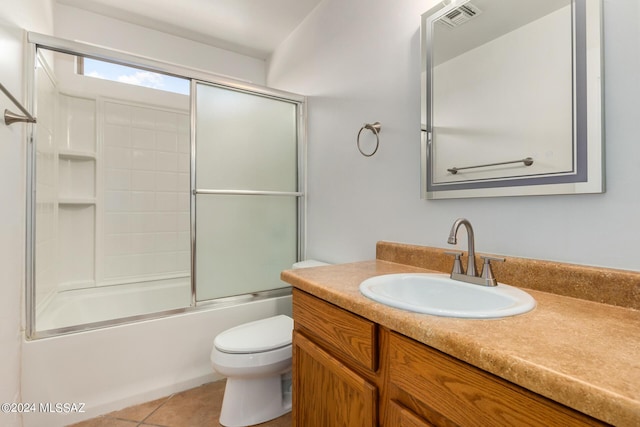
(146, 192)
(78, 130)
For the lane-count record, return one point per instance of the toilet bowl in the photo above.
(256, 359)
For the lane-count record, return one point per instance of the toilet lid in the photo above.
(254, 337)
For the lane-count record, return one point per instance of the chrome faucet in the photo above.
(453, 239)
(471, 276)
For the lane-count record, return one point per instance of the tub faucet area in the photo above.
(471, 274)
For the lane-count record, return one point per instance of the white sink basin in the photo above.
(440, 295)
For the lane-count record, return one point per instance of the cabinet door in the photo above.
(451, 392)
(326, 392)
(399, 416)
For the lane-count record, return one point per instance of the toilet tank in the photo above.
(309, 263)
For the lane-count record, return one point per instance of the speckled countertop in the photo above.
(583, 354)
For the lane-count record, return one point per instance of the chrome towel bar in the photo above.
(528, 161)
(248, 192)
(11, 117)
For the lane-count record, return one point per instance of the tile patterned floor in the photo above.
(198, 407)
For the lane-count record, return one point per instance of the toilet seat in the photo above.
(256, 337)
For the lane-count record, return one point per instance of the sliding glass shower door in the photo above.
(144, 200)
(247, 191)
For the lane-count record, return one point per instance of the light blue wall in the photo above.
(358, 61)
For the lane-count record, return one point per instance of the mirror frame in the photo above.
(588, 138)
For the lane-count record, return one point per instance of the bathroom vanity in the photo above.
(360, 363)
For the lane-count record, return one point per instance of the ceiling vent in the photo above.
(460, 15)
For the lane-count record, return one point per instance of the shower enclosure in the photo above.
(148, 201)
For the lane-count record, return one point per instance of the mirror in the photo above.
(511, 98)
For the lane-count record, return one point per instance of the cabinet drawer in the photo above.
(349, 336)
(448, 390)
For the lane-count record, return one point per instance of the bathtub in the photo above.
(114, 367)
(98, 304)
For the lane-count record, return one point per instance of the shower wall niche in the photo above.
(76, 177)
(66, 188)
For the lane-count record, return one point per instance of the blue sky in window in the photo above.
(135, 76)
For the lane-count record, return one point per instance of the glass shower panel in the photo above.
(111, 163)
(249, 241)
(245, 141)
(246, 201)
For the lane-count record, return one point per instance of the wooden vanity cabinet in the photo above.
(349, 371)
(334, 366)
(444, 391)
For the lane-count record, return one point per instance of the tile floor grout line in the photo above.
(139, 423)
(157, 408)
(142, 422)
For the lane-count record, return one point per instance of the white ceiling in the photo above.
(251, 27)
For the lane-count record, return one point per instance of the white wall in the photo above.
(35, 15)
(358, 61)
(76, 24)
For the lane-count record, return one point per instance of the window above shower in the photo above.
(105, 70)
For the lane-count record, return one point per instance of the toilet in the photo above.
(256, 359)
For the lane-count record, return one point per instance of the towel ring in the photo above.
(375, 128)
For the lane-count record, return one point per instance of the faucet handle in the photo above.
(457, 264)
(487, 273)
(492, 258)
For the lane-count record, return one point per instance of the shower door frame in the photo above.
(35, 41)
